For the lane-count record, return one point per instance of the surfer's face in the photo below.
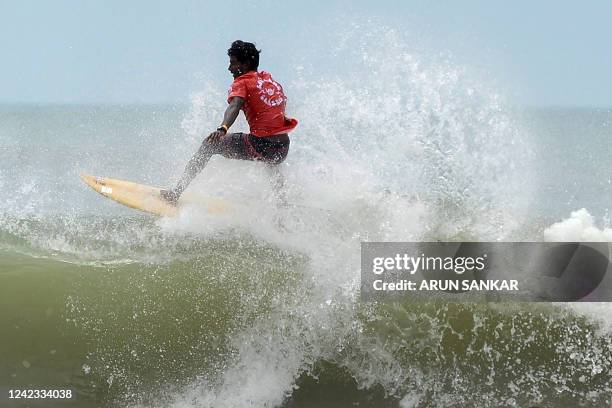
(236, 67)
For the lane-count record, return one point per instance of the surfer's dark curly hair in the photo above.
(245, 52)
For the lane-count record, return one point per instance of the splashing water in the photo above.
(235, 311)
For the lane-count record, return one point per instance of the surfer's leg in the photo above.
(194, 166)
(228, 146)
(273, 152)
(277, 180)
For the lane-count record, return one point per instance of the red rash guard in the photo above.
(264, 103)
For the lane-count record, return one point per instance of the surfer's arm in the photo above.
(231, 113)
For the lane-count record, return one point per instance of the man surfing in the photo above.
(263, 101)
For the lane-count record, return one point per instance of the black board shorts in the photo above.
(245, 146)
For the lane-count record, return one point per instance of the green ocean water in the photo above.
(137, 334)
(128, 329)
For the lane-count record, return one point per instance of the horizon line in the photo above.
(46, 104)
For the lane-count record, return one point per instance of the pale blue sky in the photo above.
(543, 52)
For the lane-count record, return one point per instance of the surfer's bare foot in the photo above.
(169, 195)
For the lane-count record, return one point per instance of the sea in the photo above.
(260, 306)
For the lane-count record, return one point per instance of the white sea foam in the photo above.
(580, 226)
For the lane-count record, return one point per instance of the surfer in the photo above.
(263, 101)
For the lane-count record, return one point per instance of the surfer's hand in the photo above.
(215, 136)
